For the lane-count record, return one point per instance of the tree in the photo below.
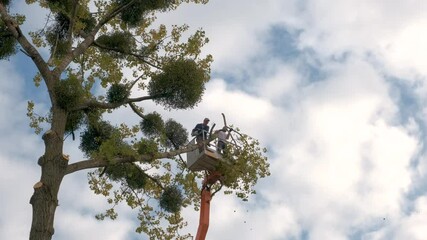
(90, 48)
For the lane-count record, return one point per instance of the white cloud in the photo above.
(16, 183)
(410, 226)
(406, 53)
(339, 171)
(74, 225)
(282, 83)
(234, 28)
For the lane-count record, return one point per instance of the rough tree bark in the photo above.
(53, 165)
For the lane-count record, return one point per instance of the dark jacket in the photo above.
(200, 131)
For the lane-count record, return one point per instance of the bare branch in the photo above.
(135, 81)
(72, 20)
(52, 55)
(24, 52)
(219, 189)
(106, 105)
(95, 163)
(135, 110)
(155, 180)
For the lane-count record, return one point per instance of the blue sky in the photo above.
(335, 89)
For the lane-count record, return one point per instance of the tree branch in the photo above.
(90, 38)
(95, 163)
(155, 180)
(106, 105)
(31, 51)
(135, 110)
(139, 113)
(72, 20)
(139, 57)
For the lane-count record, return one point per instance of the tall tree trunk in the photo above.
(53, 165)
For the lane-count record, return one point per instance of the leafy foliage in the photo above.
(244, 163)
(152, 125)
(95, 134)
(5, 2)
(180, 84)
(117, 93)
(113, 148)
(75, 119)
(116, 43)
(35, 119)
(69, 92)
(139, 8)
(172, 134)
(146, 146)
(128, 172)
(7, 42)
(61, 26)
(88, 23)
(57, 35)
(57, 4)
(171, 199)
(176, 134)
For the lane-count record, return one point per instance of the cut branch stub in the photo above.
(65, 157)
(49, 135)
(38, 185)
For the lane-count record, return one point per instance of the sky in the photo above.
(336, 90)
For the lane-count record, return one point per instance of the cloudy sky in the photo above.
(335, 89)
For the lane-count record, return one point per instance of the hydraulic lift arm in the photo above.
(206, 198)
(204, 214)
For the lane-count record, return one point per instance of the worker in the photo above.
(201, 131)
(223, 135)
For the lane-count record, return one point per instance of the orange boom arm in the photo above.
(205, 204)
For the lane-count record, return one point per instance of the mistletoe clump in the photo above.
(152, 125)
(5, 2)
(57, 35)
(129, 173)
(176, 134)
(94, 136)
(117, 93)
(146, 146)
(59, 3)
(75, 120)
(69, 92)
(171, 134)
(171, 199)
(116, 42)
(180, 85)
(139, 8)
(7, 41)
